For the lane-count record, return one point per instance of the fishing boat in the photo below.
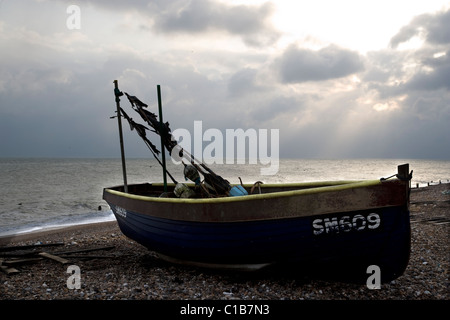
(344, 224)
(340, 226)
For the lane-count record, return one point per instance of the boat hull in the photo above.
(342, 228)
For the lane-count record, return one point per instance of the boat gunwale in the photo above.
(330, 187)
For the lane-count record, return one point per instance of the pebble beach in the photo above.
(121, 269)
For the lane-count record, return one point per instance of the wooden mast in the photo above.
(117, 93)
(162, 133)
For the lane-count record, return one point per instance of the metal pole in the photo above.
(117, 93)
(161, 124)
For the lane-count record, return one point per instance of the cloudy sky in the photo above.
(339, 79)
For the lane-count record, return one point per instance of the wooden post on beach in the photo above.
(403, 174)
(403, 171)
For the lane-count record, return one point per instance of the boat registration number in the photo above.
(346, 223)
(121, 212)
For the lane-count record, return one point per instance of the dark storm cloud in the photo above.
(435, 78)
(250, 22)
(197, 16)
(300, 65)
(391, 73)
(433, 27)
(431, 60)
(200, 15)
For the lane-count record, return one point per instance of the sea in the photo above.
(39, 194)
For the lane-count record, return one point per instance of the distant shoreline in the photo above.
(51, 226)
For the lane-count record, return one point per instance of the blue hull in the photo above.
(282, 242)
